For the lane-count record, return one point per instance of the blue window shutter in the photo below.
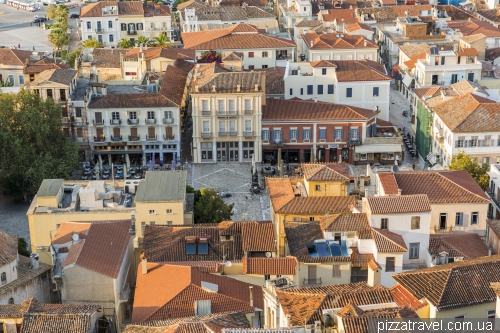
(350, 134)
(274, 135)
(262, 134)
(303, 134)
(342, 134)
(290, 134)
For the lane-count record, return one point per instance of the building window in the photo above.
(21, 80)
(302, 93)
(317, 187)
(110, 24)
(348, 92)
(311, 274)
(3, 277)
(204, 106)
(207, 151)
(306, 134)
(375, 91)
(89, 25)
(291, 91)
(265, 134)
(414, 250)
(294, 134)
(330, 89)
(11, 300)
(123, 27)
(265, 66)
(320, 89)
(250, 54)
(339, 135)
(111, 38)
(384, 223)
(267, 277)
(322, 133)
(390, 264)
(248, 105)
(251, 67)
(323, 71)
(415, 222)
(442, 221)
(354, 134)
(264, 54)
(151, 211)
(310, 89)
(336, 272)
(169, 211)
(490, 314)
(473, 141)
(459, 218)
(461, 142)
(277, 136)
(474, 218)
(486, 160)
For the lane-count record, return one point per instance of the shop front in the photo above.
(378, 154)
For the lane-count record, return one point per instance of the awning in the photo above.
(407, 80)
(381, 148)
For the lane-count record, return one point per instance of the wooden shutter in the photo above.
(133, 132)
(311, 273)
(168, 132)
(98, 117)
(116, 132)
(336, 271)
(151, 132)
(100, 133)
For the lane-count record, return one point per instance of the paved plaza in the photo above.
(235, 179)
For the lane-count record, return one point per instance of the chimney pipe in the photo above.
(251, 295)
(366, 42)
(256, 87)
(144, 263)
(196, 89)
(399, 191)
(238, 88)
(312, 43)
(213, 89)
(489, 252)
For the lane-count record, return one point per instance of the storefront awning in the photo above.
(388, 148)
(407, 80)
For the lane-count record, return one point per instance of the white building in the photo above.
(408, 216)
(259, 50)
(294, 11)
(361, 83)
(493, 191)
(336, 45)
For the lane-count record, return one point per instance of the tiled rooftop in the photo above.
(395, 204)
(388, 242)
(270, 266)
(466, 245)
(8, 248)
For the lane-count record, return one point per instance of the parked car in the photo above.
(73, 16)
(39, 20)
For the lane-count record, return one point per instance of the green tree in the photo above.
(6, 83)
(462, 161)
(58, 37)
(73, 55)
(210, 208)
(189, 189)
(62, 12)
(92, 43)
(125, 44)
(145, 41)
(161, 41)
(51, 11)
(32, 144)
(22, 247)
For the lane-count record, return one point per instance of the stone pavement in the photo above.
(235, 179)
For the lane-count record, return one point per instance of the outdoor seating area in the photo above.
(408, 145)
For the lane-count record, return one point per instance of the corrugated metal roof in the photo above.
(162, 186)
(50, 187)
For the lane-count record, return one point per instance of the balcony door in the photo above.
(442, 221)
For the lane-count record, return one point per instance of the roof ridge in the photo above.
(80, 250)
(440, 173)
(389, 239)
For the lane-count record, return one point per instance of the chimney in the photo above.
(366, 42)
(34, 261)
(144, 263)
(238, 88)
(251, 295)
(407, 14)
(399, 191)
(312, 43)
(469, 19)
(256, 87)
(213, 89)
(196, 89)
(489, 252)
(315, 98)
(141, 47)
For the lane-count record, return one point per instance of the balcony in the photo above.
(134, 138)
(248, 112)
(115, 122)
(312, 282)
(227, 114)
(277, 142)
(99, 31)
(125, 293)
(168, 137)
(98, 122)
(131, 32)
(248, 134)
(438, 229)
(168, 121)
(354, 142)
(150, 121)
(222, 133)
(206, 135)
(116, 138)
(132, 121)
(99, 139)
(151, 137)
(205, 113)
(233, 133)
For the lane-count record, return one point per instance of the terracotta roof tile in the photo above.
(349, 15)
(364, 322)
(62, 76)
(360, 259)
(8, 248)
(233, 13)
(321, 41)
(347, 222)
(34, 68)
(153, 302)
(332, 288)
(25, 275)
(431, 91)
(167, 243)
(490, 14)
(158, 52)
(350, 310)
(130, 8)
(357, 26)
(190, 4)
(275, 80)
(457, 13)
(10, 57)
(374, 265)
(204, 266)
(496, 287)
(388, 182)
(325, 172)
(103, 249)
(299, 235)
(475, 27)
(403, 298)
(67, 229)
(307, 23)
(106, 58)
(395, 204)
(292, 109)
(318, 205)
(174, 84)
(239, 36)
(468, 52)
(142, 100)
(493, 53)
(441, 186)
(466, 245)
(280, 192)
(270, 266)
(450, 286)
(388, 242)
(164, 10)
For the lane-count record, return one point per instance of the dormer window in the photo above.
(157, 11)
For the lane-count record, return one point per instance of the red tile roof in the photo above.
(239, 36)
(395, 204)
(325, 172)
(66, 230)
(363, 323)
(388, 182)
(280, 192)
(475, 27)
(320, 41)
(403, 298)
(8, 248)
(347, 222)
(270, 266)
(441, 186)
(456, 285)
(10, 57)
(466, 245)
(153, 301)
(318, 205)
(388, 241)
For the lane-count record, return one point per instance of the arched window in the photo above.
(3, 277)
(11, 300)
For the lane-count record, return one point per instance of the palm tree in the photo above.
(92, 43)
(125, 43)
(62, 11)
(145, 41)
(162, 41)
(58, 37)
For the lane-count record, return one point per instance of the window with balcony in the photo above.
(339, 134)
(99, 26)
(311, 274)
(115, 116)
(222, 128)
(473, 141)
(151, 133)
(390, 264)
(231, 106)
(221, 106)
(205, 108)
(133, 134)
(151, 117)
(99, 134)
(206, 126)
(168, 117)
(98, 117)
(277, 137)
(116, 134)
(248, 105)
(169, 134)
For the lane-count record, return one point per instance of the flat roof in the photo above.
(162, 186)
(50, 187)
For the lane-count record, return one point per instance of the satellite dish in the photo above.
(395, 168)
(75, 237)
(349, 251)
(268, 254)
(84, 75)
(228, 264)
(375, 108)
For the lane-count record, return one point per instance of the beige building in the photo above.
(227, 112)
(464, 289)
(12, 64)
(94, 263)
